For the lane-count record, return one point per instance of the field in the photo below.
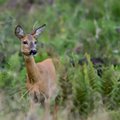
(83, 38)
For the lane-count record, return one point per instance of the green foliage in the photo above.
(90, 92)
(2, 1)
(74, 27)
(5, 79)
(115, 115)
(94, 79)
(14, 62)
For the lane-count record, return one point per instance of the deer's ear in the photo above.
(19, 32)
(38, 31)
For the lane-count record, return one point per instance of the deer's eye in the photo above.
(35, 42)
(25, 42)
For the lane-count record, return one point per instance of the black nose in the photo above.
(33, 52)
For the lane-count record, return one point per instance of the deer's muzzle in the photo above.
(33, 52)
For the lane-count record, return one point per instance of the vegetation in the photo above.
(76, 29)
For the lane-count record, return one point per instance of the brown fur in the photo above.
(41, 77)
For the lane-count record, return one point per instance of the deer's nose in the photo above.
(33, 52)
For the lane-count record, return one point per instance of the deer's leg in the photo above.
(32, 113)
(56, 107)
(55, 112)
(47, 115)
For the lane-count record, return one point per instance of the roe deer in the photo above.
(41, 77)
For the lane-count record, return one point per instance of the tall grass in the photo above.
(72, 30)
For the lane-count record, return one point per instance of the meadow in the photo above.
(76, 30)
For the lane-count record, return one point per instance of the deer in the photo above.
(41, 77)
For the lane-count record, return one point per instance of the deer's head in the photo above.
(28, 41)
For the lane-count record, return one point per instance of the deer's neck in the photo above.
(32, 69)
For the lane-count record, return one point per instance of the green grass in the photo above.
(91, 27)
